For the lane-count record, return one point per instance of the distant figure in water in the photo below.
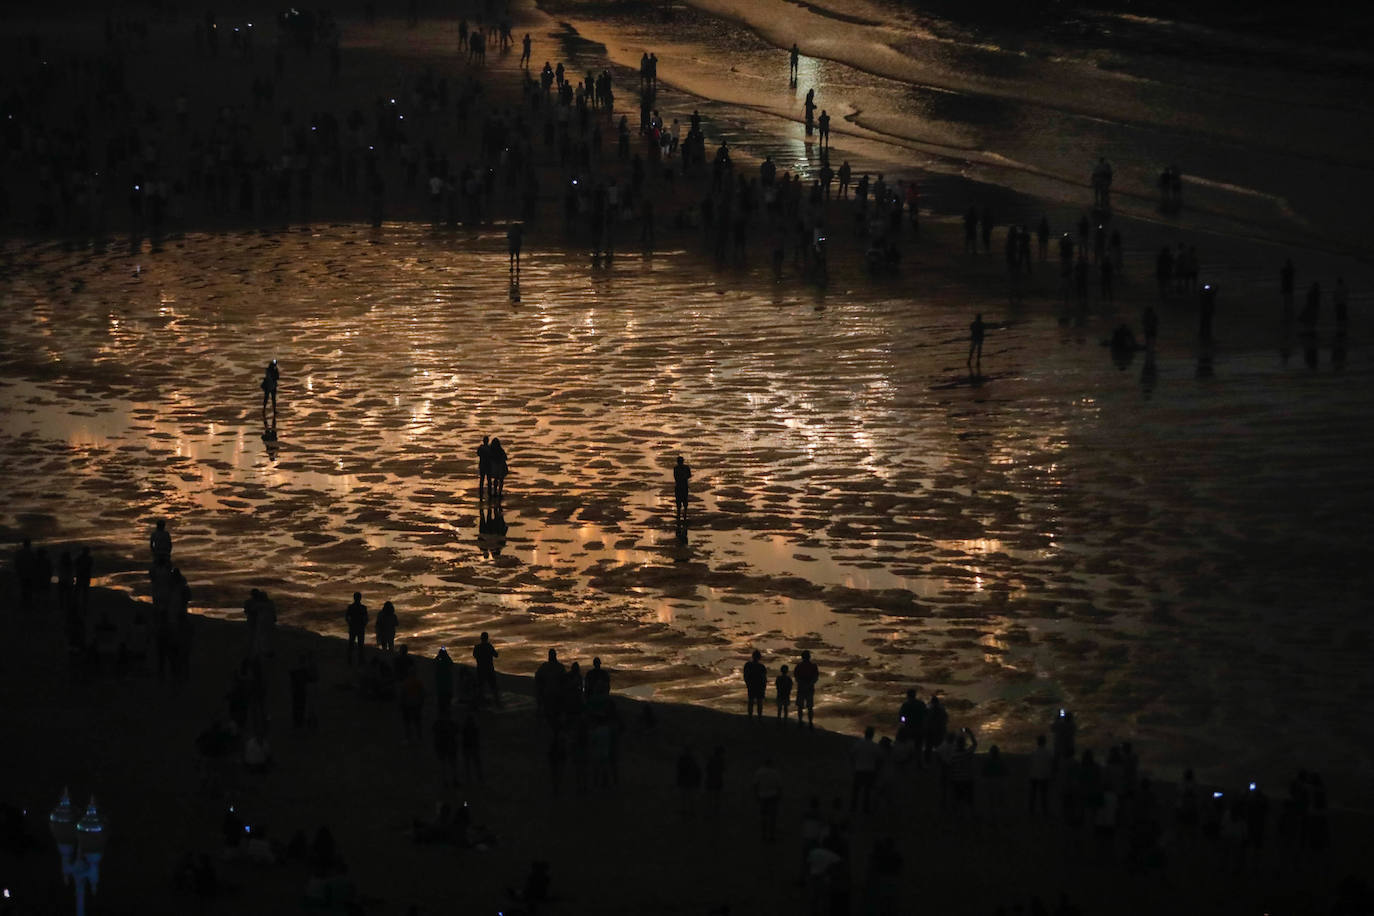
(682, 473)
(795, 60)
(483, 464)
(515, 236)
(824, 124)
(270, 377)
(810, 107)
(496, 475)
(976, 330)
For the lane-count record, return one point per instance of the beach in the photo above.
(1171, 547)
(131, 739)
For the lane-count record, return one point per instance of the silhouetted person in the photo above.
(912, 717)
(755, 683)
(976, 331)
(548, 685)
(1064, 729)
(824, 124)
(483, 464)
(485, 654)
(1207, 310)
(443, 682)
(515, 237)
(160, 543)
(794, 61)
(496, 478)
(598, 681)
(782, 691)
(356, 616)
(807, 674)
(271, 376)
(386, 627)
(682, 472)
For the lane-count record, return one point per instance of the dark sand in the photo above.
(627, 849)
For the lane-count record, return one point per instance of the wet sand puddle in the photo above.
(1181, 563)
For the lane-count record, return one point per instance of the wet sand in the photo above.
(1175, 550)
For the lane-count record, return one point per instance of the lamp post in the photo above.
(81, 842)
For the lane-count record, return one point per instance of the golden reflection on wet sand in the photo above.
(1047, 537)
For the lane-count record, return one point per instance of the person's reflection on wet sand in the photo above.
(491, 531)
(269, 438)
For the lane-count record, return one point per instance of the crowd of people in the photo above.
(1107, 809)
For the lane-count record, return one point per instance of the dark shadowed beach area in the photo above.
(1140, 500)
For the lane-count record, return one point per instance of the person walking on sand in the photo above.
(793, 65)
(824, 124)
(496, 475)
(807, 674)
(271, 376)
(356, 616)
(682, 472)
(525, 51)
(483, 465)
(515, 237)
(976, 330)
(485, 655)
(755, 683)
